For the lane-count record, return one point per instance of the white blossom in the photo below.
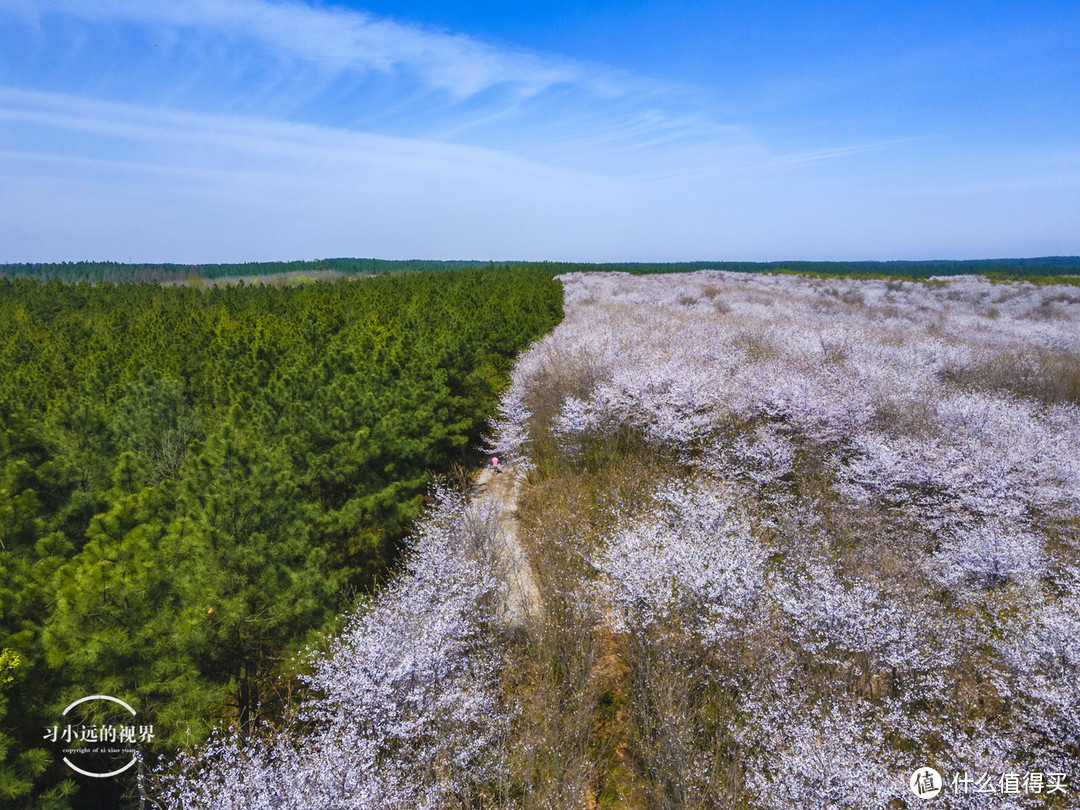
(407, 713)
(692, 557)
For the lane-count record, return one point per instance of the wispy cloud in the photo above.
(177, 138)
(287, 59)
(339, 39)
(198, 130)
(494, 95)
(197, 186)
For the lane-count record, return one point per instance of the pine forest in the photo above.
(195, 483)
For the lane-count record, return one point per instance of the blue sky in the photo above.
(243, 130)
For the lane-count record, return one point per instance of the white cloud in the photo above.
(192, 187)
(235, 141)
(513, 154)
(444, 86)
(338, 39)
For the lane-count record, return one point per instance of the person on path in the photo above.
(495, 464)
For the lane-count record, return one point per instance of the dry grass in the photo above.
(562, 375)
(558, 686)
(757, 345)
(1043, 375)
(905, 415)
(572, 686)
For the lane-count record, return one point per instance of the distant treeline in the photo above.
(116, 272)
(1022, 268)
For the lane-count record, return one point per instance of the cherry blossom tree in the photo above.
(405, 710)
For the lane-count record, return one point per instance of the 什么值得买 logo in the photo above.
(926, 783)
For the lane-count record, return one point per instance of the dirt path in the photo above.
(522, 595)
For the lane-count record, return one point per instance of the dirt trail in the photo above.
(522, 596)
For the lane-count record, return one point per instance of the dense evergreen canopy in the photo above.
(192, 481)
